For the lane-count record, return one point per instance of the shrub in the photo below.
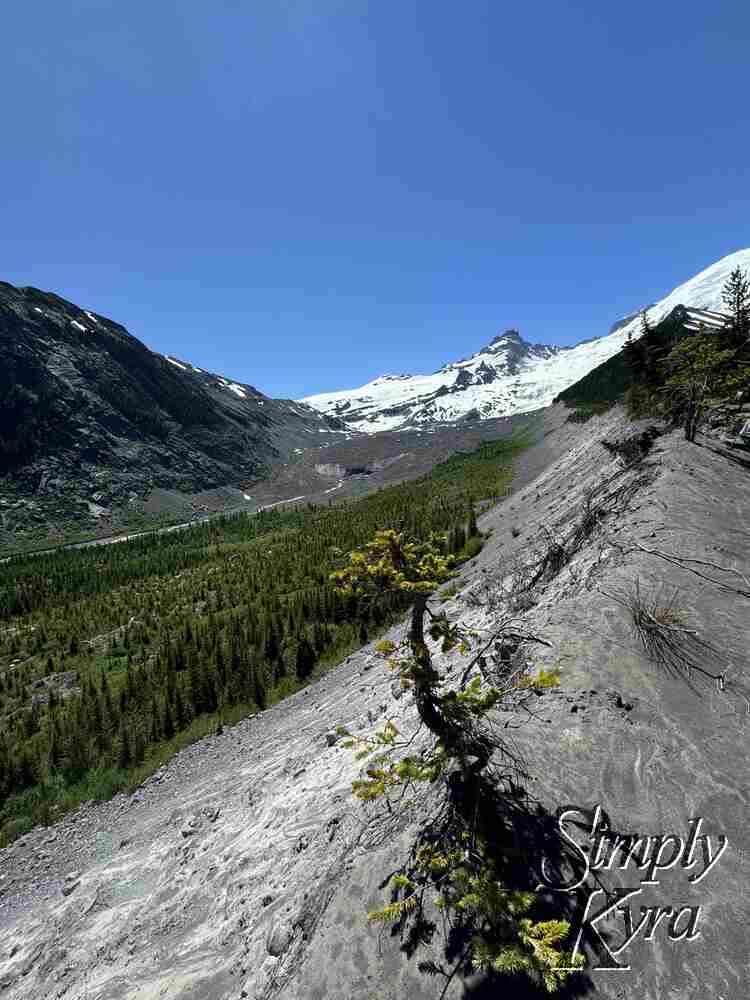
(633, 449)
(471, 549)
(666, 635)
(450, 591)
(15, 828)
(579, 417)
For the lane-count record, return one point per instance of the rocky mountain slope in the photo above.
(509, 375)
(92, 422)
(100, 434)
(244, 868)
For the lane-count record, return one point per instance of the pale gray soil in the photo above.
(244, 869)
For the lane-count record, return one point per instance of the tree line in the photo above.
(682, 373)
(674, 372)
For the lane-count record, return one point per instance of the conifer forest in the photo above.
(113, 657)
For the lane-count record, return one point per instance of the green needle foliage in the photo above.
(457, 868)
(736, 298)
(696, 370)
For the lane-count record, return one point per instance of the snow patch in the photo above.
(175, 363)
(506, 377)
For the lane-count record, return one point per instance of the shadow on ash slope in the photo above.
(243, 869)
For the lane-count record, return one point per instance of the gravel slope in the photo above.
(243, 869)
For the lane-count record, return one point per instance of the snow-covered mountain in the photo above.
(509, 375)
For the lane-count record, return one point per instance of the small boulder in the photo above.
(279, 938)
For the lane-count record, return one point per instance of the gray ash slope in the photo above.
(91, 419)
(244, 868)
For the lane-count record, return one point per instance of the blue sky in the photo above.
(303, 194)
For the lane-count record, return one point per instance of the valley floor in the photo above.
(342, 468)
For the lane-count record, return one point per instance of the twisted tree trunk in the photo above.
(458, 741)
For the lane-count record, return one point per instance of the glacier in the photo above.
(509, 375)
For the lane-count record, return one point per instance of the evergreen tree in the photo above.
(271, 649)
(124, 756)
(31, 721)
(109, 713)
(645, 324)
(651, 349)
(457, 540)
(77, 754)
(96, 721)
(168, 723)
(210, 689)
(55, 747)
(634, 351)
(181, 715)
(139, 747)
(501, 933)
(220, 663)
(260, 690)
(696, 371)
(196, 687)
(736, 298)
(6, 777)
(25, 769)
(320, 636)
(155, 723)
(305, 660)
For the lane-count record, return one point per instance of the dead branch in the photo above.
(685, 561)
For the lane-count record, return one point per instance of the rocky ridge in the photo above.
(95, 427)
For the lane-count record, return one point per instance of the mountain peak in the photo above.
(509, 375)
(510, 335)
